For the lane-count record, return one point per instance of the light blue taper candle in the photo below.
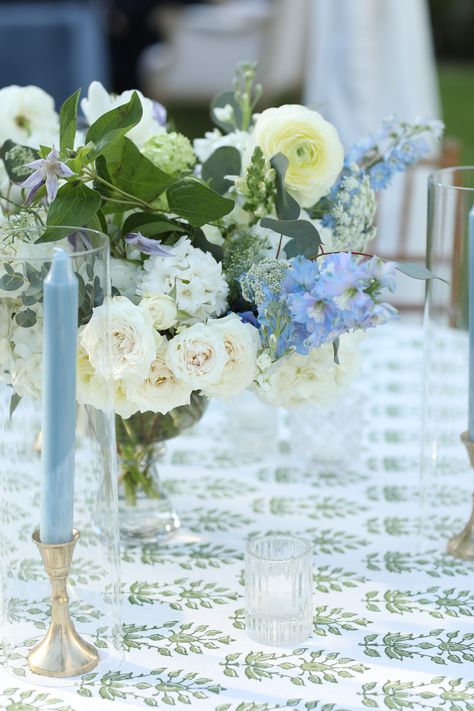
(60, 292)
(471, 325)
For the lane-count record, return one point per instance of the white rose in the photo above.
(311, 144)
(132, 335)
(242, 342)
(197, 356)
(161, 391)
(312, 379)
(125, 276)
(99, 102)
(161, 309)
(27, 116)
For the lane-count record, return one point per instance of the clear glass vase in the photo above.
(146, 512)
(446, 473)
(94, 578)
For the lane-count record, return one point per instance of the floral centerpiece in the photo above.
(239, 261)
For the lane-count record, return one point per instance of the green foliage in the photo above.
(224, 161)
(286, 206)
(15, 157)
(114, 124)
(74, 205)
(196, 202)
(68, 122)
(304, 240)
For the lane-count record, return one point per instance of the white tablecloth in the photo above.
(393, 623)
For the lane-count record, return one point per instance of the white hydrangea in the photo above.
(99, 102)
(316, 379)
(124, 275)
(195, 276)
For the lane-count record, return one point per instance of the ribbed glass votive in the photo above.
(279, 579)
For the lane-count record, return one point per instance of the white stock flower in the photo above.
(161, 390)
(124, 276)
(99, 102)
(132, 335)
(314, 379)
(162, 310)
(311, 144)
(197, 356)
(27, 116)
(194, 276)
(242, 343)
(205, 147)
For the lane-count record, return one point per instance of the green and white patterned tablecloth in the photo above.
(393, 622)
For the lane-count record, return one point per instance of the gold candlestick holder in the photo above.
(462, 545)
(62, 652)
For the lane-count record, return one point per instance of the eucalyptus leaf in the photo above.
(417, 271)
(196, 202)
(26, 318)
(74, 206)
(219, 102)
(11, 282)
(15, 157)
(199, 240)
(114, 124)
(14, 402)
(286, 206)
(130, 171)
(224, 161)
(68, 122)
(305, 237)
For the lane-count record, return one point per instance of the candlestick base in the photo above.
(62, 652)
(462, 545)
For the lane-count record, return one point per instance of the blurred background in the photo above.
(356, 61)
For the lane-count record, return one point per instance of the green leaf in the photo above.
(11, 282)
(305, 237)
(218, 102)
(26, 318)
(417, 271)
(114, 124)
(74, 205)
(224, 161)
(199, 240)
(286, 206)
(68, 122)
(196, 202)
(131, 172)
(149, 225)
(14, 402)
(15, 157)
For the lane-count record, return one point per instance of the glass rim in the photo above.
(103, 239)
(434, 178)
(306, 545)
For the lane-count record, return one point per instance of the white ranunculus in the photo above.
(132, 335)
(242, 343)
(311, 144)
(162, 310)
(124, 276)
(197, 356)
(161, 391)
(27, 116)
(205, 147)
(99, 102)
(314, 379)
(195, 276)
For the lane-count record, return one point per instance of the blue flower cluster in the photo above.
(322, 299)
(396, 146)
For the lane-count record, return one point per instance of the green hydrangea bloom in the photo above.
(241, 251)
(171, 152)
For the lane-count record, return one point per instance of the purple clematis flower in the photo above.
(146, 244)
(160, 113)
(46, 170)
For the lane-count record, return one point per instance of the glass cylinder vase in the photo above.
(446, 474)
(146, 511)
(93, 583)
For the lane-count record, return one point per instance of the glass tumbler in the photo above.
(279, 580)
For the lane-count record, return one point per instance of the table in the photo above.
(393, 624)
